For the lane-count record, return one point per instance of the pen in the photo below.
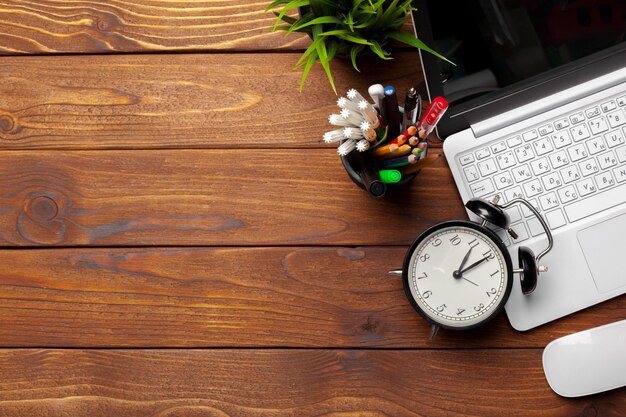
(390, 176)
(364, 167)
(393, 113)
(433, 114)
(410, 107)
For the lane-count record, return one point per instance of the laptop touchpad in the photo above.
(605, 248)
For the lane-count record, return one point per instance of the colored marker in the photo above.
(346, 147)
(333, 136)
(344, 103)
(390, 176)
(364, 167)
(362, 145)
(354, 95)
(376, 92)
(433, 114)
(337, 120)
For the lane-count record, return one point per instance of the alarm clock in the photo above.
(458, 274)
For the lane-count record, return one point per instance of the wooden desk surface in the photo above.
(177, 241)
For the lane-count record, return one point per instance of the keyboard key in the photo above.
(608, 106)
(586, 187)
(621, 154)
(506, 160)
(588, 167)
(542, 146)
(482, 188)
(471, 173)
(598, 125)
(535, 227)
(593, 112)
(604, 180)
(558, 159)
(577, 118)
(620, 174)
(487, 167)
(533, 188)
(498, 147)
(570, 174)
(561, 124)
(524, 153)
(514, 214)
(540, 166)
(512, 193)
(514, 141)
(503, 180)
(466, 159)
(521, 173)
(621, 101)
(597, 203)
(561, 139)
(526, 212)
(548, 201)
(567, 194)
(614, 139)
(530, 135)
(482, 153)
(577, 152)
(596, 145)
(580, 132)
(616, 118)
(545, 130)
(555, 219)
(607, 160)
(551, 181)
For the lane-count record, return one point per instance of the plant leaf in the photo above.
(307, 68)
(413, 41)
(378, 50)
(317, 21)
(353, 54)
(294, 4)
(323, 56)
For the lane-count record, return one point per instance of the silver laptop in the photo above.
(538, 110)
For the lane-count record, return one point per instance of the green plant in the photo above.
(346, 27)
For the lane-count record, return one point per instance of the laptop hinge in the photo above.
(548, 103)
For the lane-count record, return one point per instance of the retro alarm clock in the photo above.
(458, 274)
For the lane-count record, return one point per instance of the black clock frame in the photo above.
(457, 223)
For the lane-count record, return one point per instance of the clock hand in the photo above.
(471, 282)
(457, 274)
(474, 265)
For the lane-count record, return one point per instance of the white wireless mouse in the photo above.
(587, 362)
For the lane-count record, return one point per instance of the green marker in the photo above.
(390, 176)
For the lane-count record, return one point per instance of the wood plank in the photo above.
(178, 101)
(225, 297)
(299, 383)
(208, 197)
(77, 26)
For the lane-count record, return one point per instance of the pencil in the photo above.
(399, 162)
(384, 150)
(422, 163)
(409, 132)
(400, 151)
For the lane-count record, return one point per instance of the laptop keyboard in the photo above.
(569, 169)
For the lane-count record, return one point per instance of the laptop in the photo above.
(538, 111)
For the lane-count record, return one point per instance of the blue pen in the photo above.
(393, 113)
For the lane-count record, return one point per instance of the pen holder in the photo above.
(350, 166)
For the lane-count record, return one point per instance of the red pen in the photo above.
(432, 116)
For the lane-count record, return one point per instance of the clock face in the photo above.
(457, 275)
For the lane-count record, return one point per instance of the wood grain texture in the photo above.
(178, 101)
(78, 26)
(234, 297)
(208, 197)
(57, 383)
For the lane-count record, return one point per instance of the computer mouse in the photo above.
(587, 362)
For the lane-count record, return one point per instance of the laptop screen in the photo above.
(498, 45)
